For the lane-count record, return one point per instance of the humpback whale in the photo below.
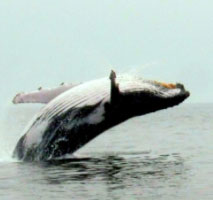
(73, 117)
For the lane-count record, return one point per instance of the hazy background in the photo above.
(44, 43)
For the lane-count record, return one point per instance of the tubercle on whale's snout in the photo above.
(181, 86)
(185, 92)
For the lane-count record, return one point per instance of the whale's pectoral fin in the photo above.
(41, 95)
(114, 88)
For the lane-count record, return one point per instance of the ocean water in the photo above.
(166, 155)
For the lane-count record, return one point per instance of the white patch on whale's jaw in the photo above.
(96, 116)
(34, 137)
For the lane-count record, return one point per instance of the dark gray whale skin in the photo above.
(69, 130)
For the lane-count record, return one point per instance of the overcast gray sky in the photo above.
(46, 42)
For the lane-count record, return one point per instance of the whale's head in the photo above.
(145, 96)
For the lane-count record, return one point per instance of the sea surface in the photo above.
(166, 155)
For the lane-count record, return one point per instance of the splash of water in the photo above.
(15, 119)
